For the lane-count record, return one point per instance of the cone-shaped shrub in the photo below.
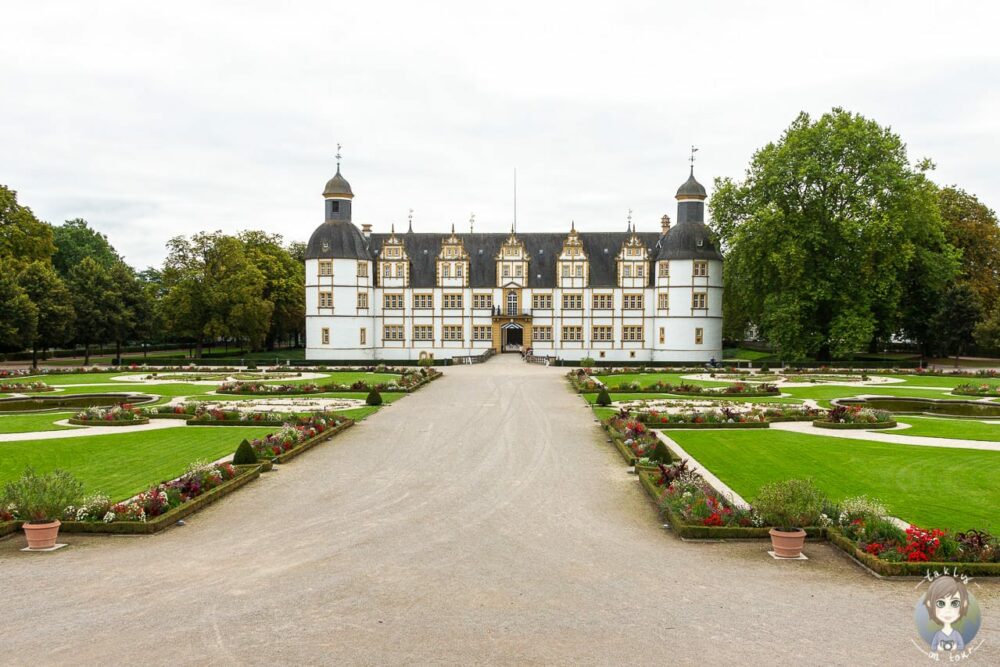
(604, 398)
(374, 398)
(245, 455)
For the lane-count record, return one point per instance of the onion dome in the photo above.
(337, 239)
(692, 188)
(338, 187)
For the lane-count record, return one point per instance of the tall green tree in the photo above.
(213, 291)
(822, 232)
(972, 227)
(23, 237)
(96, 301)
(956, 320)
(19, 320)
(284, 283)
(54, 302)
(75, 240)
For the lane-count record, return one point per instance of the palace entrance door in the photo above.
(512, 337)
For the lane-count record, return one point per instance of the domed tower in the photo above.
(340, 300)
(689, 284)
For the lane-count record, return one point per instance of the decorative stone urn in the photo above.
(42, 535)
(787, 544)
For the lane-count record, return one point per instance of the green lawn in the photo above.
(647, 379)
(962, 429)
(933, 487)
(26, 423)
(928, 380)
(122, 464)
(827, 392)
(627, 396)
(347, 377)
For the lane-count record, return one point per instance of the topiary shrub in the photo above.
(765, 369)
(603, 397)
(587, 362)
(251, 366)
(791, 504)
(661, 453)
(374, 398)
(245, 455)
(426, 361)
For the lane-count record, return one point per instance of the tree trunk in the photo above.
(34, 357)
(118, 351)
(824, 353)
(86, 354)
(198, 348)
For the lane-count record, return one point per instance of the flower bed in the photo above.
(855, 417)
(24, 387)
(981, 389)
(117, 415)
(735, 390)
(726, 417)
(161, 506)
(293, 439)
(630, 437)
(201, 414)
(409, 381)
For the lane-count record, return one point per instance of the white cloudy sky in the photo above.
(156, 120)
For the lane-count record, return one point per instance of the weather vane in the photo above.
(338, 157)
(693, 151)
(630, 219)
(411, 221)
(472, 223)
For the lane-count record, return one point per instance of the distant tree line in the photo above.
(66, 285)
(836, 244)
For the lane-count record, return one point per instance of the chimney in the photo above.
(366, 230)
(665, 223)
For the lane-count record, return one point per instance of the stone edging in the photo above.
(101, 422)
(835, 426)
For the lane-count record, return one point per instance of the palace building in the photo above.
(614, 296)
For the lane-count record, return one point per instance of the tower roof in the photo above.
(692, 188)
(338, 187)
(337, 239)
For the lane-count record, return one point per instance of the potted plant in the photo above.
(789, 506)
(40, 501)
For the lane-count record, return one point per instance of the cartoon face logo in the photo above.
(947, 616)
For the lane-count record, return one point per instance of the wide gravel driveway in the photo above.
(482, 520)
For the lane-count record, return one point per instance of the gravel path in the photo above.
(482, 520)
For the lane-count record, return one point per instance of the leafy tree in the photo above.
(297, 249)
(74, 241)
(96, 303)
(23, 237)
(972, 228)
(20, 316)
(213, 291)
(821, 234)
(135, 307)
(956, 320)
(987, 332)
(54, 302)
(284, 283)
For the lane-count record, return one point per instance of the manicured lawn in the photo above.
(26, 423)
(827, 392)
(929, 380)
(346, 377)
(943, 488)
(647, 379)
(962, 429)
(590, 398)
(57, 379)
(122, 464)
(357, 414)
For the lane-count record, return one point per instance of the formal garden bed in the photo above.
(409, 380)
(294, 439)
(983, 389)
(587, 384)
(203, 414)
(116, 415)
(846, 417)
(24, 387)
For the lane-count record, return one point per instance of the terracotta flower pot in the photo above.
(787, 544)
(42, 535)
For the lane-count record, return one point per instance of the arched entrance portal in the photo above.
(512, 337)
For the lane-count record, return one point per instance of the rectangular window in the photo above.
(326, 299)
(362, 300)
(579, 270)
(627, 271)
(640, 270)
(445, 270)
(603, 301)
(663, 301)
(326, 267)
(663, 335)
(392, 301)
(602, 334)
(362, 269)
(423, 300)
(324, 336)
(572, 333)
(541, 334)
(632, 302)
(392, 332)
(699, 300)
(480, 332)
(700, 268)
(664, 269)
(423, 332)
(363, 336)
(541, 301)
(632, 333)
(519, 270)
(506, 270)
(386, 270)
(482, 300)
(699, 336)
(452, 300)
(452, 332)
(458, 270)
(572, 302)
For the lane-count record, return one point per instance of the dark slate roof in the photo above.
(337, 185)
(337, 239)
(691, 187)
(543, 249)
(689, 240)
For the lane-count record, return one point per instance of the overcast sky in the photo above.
(152, 120)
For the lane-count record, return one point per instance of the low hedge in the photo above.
(171, 415)
(906, 569)
(312, 442)
(231, 422)
(100, 422)
(8, 527)
(835, 426)
(979, 394)
(156, 524)
(691, 425)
